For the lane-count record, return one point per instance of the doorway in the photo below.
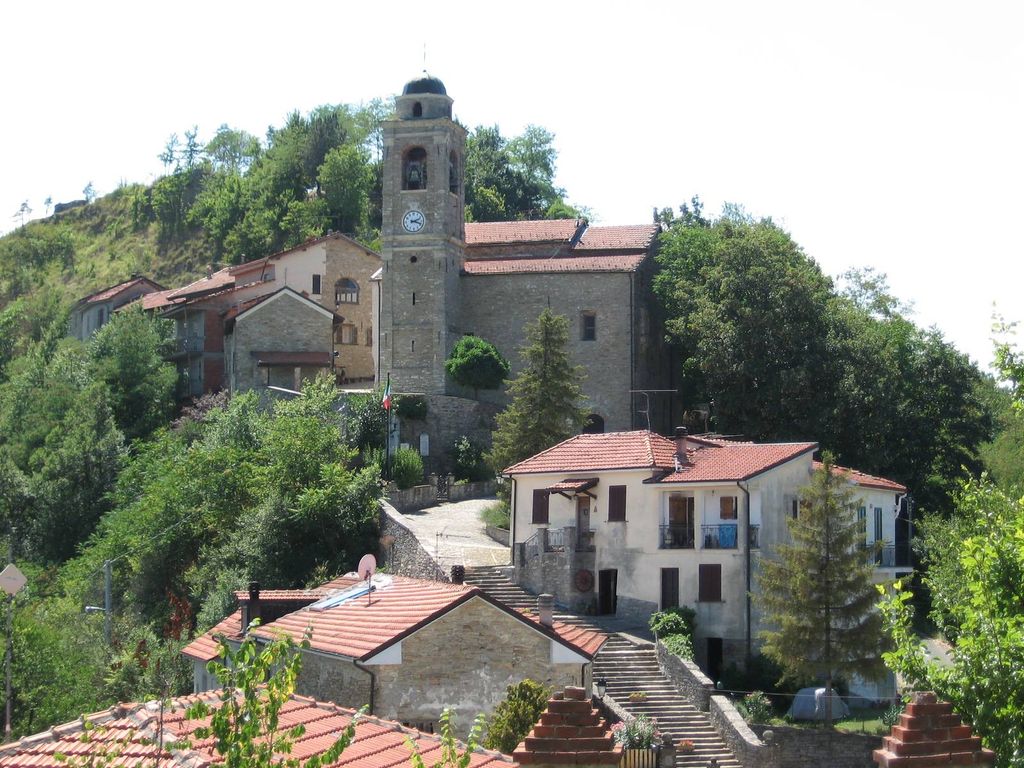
(669, 588)
(583, 522)
(714, 657)
(606, 586)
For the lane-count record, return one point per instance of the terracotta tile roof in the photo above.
(587, 640)
(204, 647)
(378, 743)
(635, 237)
(725, 461)
(570, 732)
(593, 263)
(359, 630)
(507, 232)
(865, 480)
(709, 460)
(220, 279)
(114, 290)
(608, 450)
(158, 299)
(573, 484)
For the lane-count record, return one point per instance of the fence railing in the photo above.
(554, 539)
(719, 536)
(189, 344)
(531, 547)
(676, 537)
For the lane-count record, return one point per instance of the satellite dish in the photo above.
(367, 566)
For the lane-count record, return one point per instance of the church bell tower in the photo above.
(422, 237)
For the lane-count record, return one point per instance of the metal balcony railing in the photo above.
(676, 537)
(719, 536)
(189, 344)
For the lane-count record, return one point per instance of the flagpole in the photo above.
(387, 429)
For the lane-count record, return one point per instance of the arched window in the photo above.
(346, 291)
(414, 169)
(453, 173)
(417, 110)
(594, 425)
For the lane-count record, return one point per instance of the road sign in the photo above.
(12, 580)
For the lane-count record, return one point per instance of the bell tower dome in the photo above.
(422, 237)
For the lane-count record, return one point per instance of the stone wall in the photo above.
(401, 551)
(478, 490)
(412, 499)
(686, 677)
(554, 573)
(333, 678)
(500, 535)
(744, 743)
(804, 748)
(465, 660)
(347, 259)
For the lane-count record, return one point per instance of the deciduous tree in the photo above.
(476, 363)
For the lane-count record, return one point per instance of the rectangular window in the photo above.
(878, 524)
(791, 505)
(588, 326)
(369, 337)
(540, 506)
(617, 503)
(316, 285)
(709, 588)
(862, 518)
(727, 507)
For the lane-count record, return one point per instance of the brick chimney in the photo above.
(930, 734)
(251, 607)
(682, 443)
(458, 574)
(570, 732)
(545, 609)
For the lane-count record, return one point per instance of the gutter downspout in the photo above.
(512, 523)
(373, 681)
(746, 565)
(632, 360)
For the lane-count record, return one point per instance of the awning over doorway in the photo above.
(573, 487)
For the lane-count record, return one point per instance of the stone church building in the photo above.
(443, 278)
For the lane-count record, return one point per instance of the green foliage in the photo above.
(818, 594)
(346, 177)
(891, 716)
(546, 395)
(783, 355)
(256, 683)
(468, 462)
(364, 420)
(758, 707)
(681, 620)
(411, 407)
(477, 364)
(407, 468)
(640, 732)
(128, 357)
(451, 756)
(761, 673)
(496, 514)
(976, 579)
(515, 715)
(679, 645)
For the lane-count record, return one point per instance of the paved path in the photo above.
(455, 535)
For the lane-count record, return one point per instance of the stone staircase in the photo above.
(628, 667)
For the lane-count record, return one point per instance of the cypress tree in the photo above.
(818, 594)
(546, 395)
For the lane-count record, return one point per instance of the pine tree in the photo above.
(546, 395)
(818, 593)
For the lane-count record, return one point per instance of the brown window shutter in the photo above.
(616, 503)
(709, 588)
(540, 505)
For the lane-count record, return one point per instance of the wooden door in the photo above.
(669, 588)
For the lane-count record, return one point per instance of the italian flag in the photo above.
(386, 400)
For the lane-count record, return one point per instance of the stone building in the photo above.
(411, 647)
(91, 312)
(443, 278)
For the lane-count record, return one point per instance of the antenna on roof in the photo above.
(646, 410)
(367, 567)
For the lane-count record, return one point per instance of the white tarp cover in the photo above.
(809, 704)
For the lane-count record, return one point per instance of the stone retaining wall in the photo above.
(403, 554)
(744, 743)
(500, 535)
(686, 677)
(805, 748)
(478, 490)
(412, 499)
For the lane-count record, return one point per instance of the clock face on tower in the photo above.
(413, 221)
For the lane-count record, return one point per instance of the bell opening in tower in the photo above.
(414, 169)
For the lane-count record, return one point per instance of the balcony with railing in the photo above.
(184, 345)
(721, 536)
(888, 555)
(676, 537)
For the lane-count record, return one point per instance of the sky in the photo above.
(879, 134)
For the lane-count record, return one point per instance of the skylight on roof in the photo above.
(379, 581)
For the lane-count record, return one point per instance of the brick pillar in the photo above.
(570, 732)
(929, 733)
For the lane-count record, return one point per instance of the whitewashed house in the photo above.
(631, 522)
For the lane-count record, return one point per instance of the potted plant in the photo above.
(637, 696)
(639, 738)
(686, 745)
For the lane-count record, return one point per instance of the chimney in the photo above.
(458, 574)
(251, 610)
(570, 732)
(930, 733)
(682, 443)
(209, 270)
(545, 609)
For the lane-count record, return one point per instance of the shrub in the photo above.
(477, 364)
(516, 715)
(407, 468)
(891, 716)
(496, 514)
(679, 645)
(468, 461)
(758, 707)
(411, 407)
(675, 621)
